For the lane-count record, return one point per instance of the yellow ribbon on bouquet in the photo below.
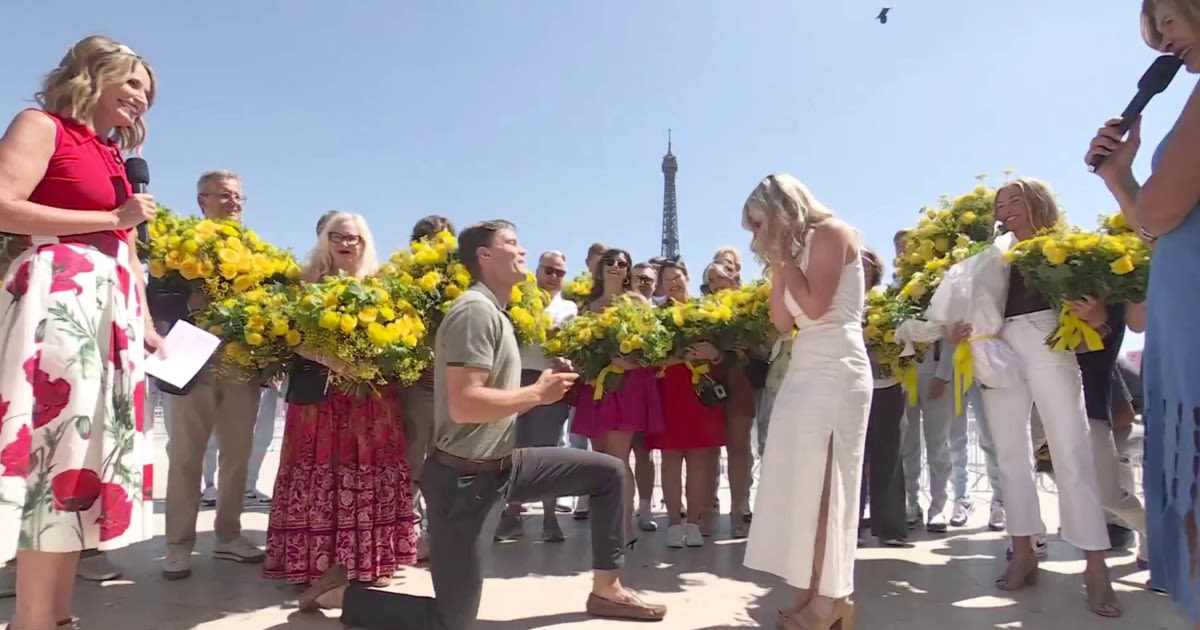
(598, 383)
(964, 370)
(1072, 332)
(910, 383)
(697, 370)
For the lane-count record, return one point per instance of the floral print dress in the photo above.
(75, 468)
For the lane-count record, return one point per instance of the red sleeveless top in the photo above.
(85, 173)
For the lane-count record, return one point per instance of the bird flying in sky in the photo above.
(883, 15)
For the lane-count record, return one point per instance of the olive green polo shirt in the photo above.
(475, 333)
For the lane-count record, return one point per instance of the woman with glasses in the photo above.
(612, 422)
(342, 495)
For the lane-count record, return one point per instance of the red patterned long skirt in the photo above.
(342, 494)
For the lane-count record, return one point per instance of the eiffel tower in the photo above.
(670, 219)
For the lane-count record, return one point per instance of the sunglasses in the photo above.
(619, 264)
(551, 271)
(647, 280)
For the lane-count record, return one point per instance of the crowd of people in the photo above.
(372, 482)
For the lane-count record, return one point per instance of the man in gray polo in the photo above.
(474, 468)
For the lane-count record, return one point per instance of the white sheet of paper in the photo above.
(188, 349)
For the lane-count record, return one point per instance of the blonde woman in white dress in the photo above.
(819, 422)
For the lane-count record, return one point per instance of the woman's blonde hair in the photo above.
(787, 210)
(72, 90)
(1187, 10)
(720, 268)
(730, 254)
(320, 261)
(1039, 200)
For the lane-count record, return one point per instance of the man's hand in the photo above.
(937, 388)
(958, 332)
(551, 386)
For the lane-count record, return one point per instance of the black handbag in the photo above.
(711, 391)
(308, 382)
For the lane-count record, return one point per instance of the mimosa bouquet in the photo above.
(579, 290)
(1070, 264)
(953, 224)
(368, 324)
(885, 311)
(629, 329)
(751, 304)
(432, 266)
(1114, 225)
(221, 258)
(258, 329)
(527, 310)
(706, 318)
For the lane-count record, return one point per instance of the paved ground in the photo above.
(945, 582)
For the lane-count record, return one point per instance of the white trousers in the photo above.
(1051, 380)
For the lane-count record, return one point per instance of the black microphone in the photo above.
(1156, 79)
(138, 174)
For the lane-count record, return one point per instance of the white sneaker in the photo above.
(239, 549)
(254, 497)
(208, 498)
(998, 520)
(692, 536)
(177, 565)
(937, 521)
(675, 537)
(645, 522)
(97, 568)
(8, 580)
(963, 509)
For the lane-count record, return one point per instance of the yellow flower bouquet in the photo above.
(369, 324)
(432, 266)
(884, 312)
(1114, 225)
(579, 290)
(222, 258)
(630, 329)
(732, 319)
(954, 224)
(527, 310)
(258, 329)
(1070, 264)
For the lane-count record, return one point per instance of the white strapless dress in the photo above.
(823, 403)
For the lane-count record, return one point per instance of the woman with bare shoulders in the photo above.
(819, 421)
(611, 422)
(343, 494)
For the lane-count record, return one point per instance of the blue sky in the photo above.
(554, 114)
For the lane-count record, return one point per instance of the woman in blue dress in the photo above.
(1164, 209)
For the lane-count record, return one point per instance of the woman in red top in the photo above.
(694, 432)
(74, 464)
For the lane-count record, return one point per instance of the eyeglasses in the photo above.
(619, 264)
(226, 197)
(553, 271)
(344, 239)
(646, 280)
